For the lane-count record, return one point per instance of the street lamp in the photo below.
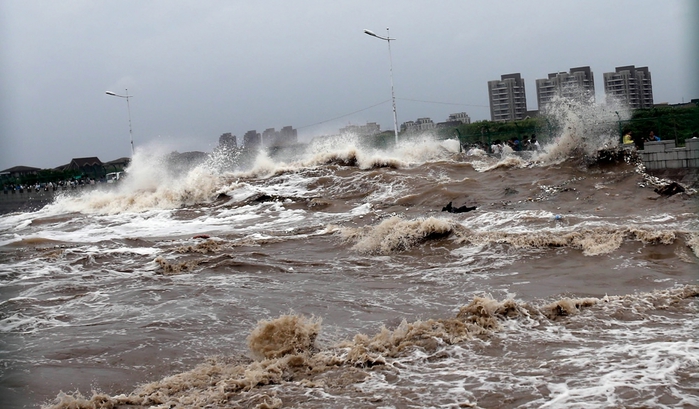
(127, 96)
(621, 136)
(393, 96)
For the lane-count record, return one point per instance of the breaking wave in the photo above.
(285, 351)
(154, 182)
(151, 183)
(591, 241)
(580, 128)
(395, 235)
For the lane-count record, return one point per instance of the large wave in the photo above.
(395, 235)
(579, 130)
(285, 352)
(154, 181)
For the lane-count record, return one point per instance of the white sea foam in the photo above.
(20, 323)
(361, 210)
(576, 128)
(589, 360)
(581, 127)
(12, 226)
(387, 192)
(152, 183)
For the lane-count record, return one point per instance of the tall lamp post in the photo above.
(388, 39)
(127, 96)
(621, 136)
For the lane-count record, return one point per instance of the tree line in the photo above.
(677, 123)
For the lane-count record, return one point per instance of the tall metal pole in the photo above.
(390, 58)
(128, 107)
(621, 136)
(393, 95)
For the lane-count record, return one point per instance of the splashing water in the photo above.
(566, 286)
(581, 128)
(152, 182)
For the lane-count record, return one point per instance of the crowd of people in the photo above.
(638, 140)
(514, 145)
(47, 187)
(500, 147)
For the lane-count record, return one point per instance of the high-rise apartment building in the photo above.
(508, 99)
(630, 85)
(252, 139)
(288, 135)
(270, 138)
(228, 140)
(578, 84)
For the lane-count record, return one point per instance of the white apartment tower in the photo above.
(508, 99)
(578, 84)
(630, 85)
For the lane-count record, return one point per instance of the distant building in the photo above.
(251, 139)
(508, 98)
(371, 128)
(460, 117)
(19, 171)
(91, 166)
(117, 164)
(421, 125)
(424, 124)
(285, 137)
(630, 85)
(288, 136)
(578, 84)
(228, 140)
(269, 137)
(408, 127)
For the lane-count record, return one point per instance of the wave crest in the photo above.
(592, 242)
(287, 352)
(152, 183)
(395, 234)
(286, 335)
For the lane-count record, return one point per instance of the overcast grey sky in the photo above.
(199, 69)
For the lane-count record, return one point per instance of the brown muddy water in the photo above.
(336, 280)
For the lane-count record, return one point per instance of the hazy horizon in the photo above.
(196, 71)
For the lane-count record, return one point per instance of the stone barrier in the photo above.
(664, 155)
(30, 199)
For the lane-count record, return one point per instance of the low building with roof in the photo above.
(19, 171)
(91, 166)
(117, 164)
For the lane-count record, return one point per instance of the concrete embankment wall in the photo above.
(31, 199)
(664, 155)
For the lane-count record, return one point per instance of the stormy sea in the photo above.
(345, 276)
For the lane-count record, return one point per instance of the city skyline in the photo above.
(582, 77)
(196, 70)
(578, 82)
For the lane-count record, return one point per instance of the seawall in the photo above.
(28, 200)
(664, 155)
